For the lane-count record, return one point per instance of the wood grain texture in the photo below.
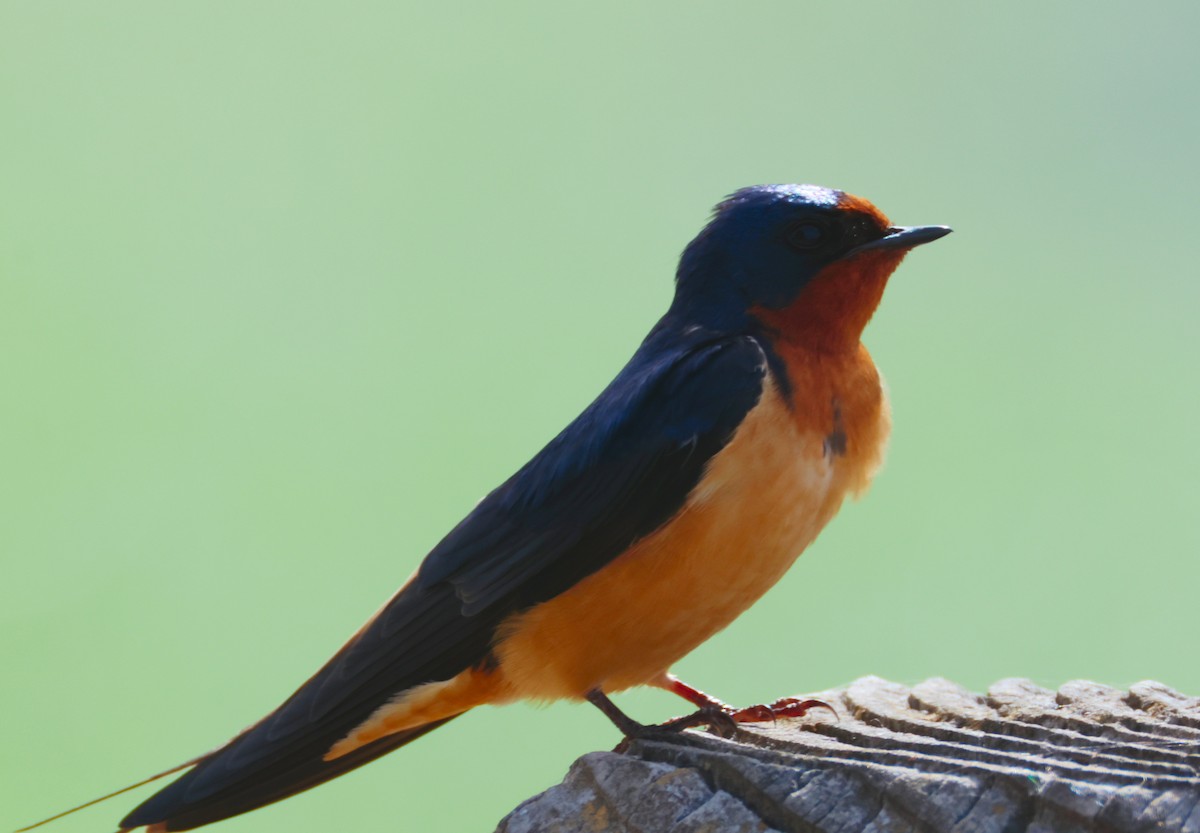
(933, 757)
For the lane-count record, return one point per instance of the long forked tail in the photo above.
(115, 793)
(177, 807)
(171, 808)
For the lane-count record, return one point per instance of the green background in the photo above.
(285, 288)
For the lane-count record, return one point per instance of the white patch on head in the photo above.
(808, 194)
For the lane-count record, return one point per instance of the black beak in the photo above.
(904, 237)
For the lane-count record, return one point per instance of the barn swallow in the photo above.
(672, 503)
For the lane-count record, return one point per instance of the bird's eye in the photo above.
(807, 234)
(862, 230)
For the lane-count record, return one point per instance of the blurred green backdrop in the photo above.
(285, 288)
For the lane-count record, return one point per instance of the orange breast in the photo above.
(841, 395)
(764, 498)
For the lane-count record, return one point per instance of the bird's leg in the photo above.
(629, 727)
(709, 710)
(714, 716)
(783, 707)
(669, 682)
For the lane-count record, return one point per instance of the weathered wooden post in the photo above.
(934, 757)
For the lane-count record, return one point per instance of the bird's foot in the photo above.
(723, 719)
(720, 720)
(783, 707)
(717, 717)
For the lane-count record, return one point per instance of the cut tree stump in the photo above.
(934, 757)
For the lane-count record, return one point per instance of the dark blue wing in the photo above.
(617, 473)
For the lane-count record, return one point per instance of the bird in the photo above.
(675, 500)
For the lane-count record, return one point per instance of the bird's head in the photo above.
(808, 264)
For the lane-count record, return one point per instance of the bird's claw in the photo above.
(783, 707)
(723, 720)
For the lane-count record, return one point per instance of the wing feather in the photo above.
(616, 474)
